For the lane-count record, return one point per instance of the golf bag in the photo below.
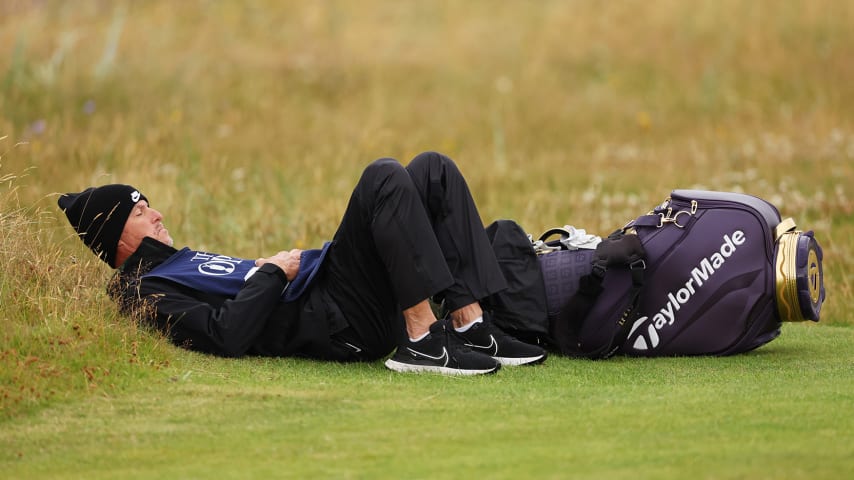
(704, 273)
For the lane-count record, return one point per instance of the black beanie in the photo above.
(99, 215)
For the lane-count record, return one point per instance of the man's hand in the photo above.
(287, 261)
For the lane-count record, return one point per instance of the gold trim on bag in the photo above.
(786, 225)
(786, 278)
(814, 278)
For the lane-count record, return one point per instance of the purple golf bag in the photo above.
(704, 273)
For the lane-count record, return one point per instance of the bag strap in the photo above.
(620, 249)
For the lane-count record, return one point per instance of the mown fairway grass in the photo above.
(782, 412)
(247, 125)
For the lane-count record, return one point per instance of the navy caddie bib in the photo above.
(225, 276)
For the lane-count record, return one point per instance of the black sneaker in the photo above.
(485, 337)
(440, 352)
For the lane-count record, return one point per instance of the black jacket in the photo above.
(254, 322)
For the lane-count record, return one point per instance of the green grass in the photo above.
(248, 124)
(780, 412)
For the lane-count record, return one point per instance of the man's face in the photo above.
(144, 221)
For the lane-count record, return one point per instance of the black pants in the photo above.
(408, 234)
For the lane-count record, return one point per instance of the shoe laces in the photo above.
(453, 339)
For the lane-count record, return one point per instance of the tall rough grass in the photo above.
(247, 123)
(58, 334)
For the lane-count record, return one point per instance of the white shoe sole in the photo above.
(514, 362)
(409, 368)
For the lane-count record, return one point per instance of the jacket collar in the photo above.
(150, 254)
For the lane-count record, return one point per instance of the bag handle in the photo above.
(563, 232)
(571, 238)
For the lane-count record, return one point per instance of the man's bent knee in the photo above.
(383, 176)
(427, 159)
(382, 168)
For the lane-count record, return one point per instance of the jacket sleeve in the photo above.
(211, 325)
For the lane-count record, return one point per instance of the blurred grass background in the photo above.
(247, 124)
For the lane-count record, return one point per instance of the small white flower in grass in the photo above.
(504, 84)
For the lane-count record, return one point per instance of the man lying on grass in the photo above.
(409, 234)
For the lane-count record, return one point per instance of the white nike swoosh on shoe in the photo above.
(440, 357)
(492, 345)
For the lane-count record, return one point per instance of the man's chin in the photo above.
(164, 239)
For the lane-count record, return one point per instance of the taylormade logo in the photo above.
(700, 274)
